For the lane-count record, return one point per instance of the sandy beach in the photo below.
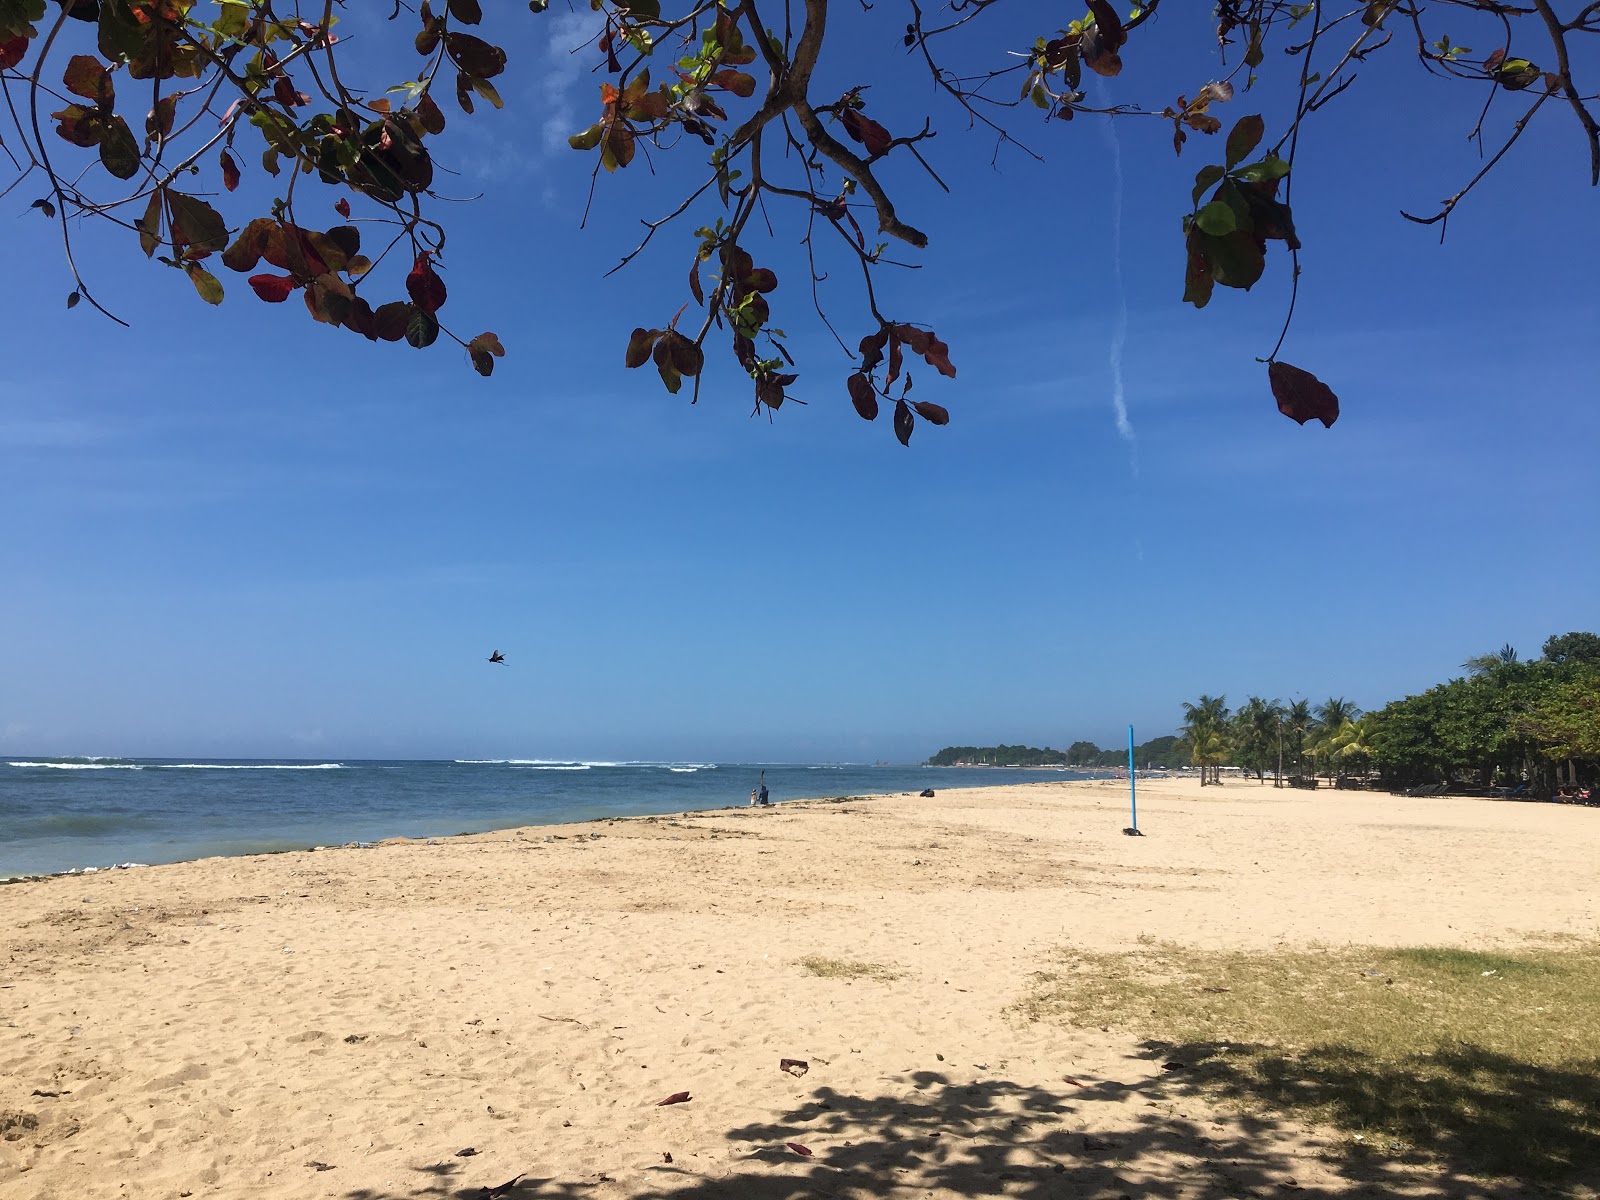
(437, 1019)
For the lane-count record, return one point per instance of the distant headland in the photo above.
(1157, 752)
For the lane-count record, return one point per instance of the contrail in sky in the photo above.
(1119, 334)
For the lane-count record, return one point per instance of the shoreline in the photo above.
(367, 844)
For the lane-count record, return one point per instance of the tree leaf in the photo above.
(865, 130)
(13, 51)
(118, 151)
(1270, 167)
(73, 298)
(1217, 219)
(474, 56)
(588, 139)
(487, 343)
(426, 289)
(158, 121)
(904, 422)
(149, 227)
(195, 223)
(938, 357)
(207, 284)
(422, 328)
(85, 77)
(863, 396)
(390, 321)
(487, 90)
(935, 413)
(430, 114)
(640, 344)
(274, 289)
(1197, 281)
(1301, 396)
(467, 12)
(1243, 138)
(1206, 179)
(737, 82)
(230, 171)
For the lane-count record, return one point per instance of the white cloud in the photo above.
(564, 66)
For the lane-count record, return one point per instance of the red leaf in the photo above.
(865, 400)
(342, 208)
(933, 413)
(866, 131)
(424, 286)
(13, 52)
(274, 289)
(283, 92)
(230, 172)
(938, 357)
(675, 1098)
(802, 1151)
(1301, 396)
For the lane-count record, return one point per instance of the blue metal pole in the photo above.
(1133, 795)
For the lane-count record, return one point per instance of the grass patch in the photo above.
(1488, 1060)
(846, 968)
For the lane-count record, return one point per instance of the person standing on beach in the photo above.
(763, 786)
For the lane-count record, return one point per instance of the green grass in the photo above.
(846, 968)
(1487, 1060)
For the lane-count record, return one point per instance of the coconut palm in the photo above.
(1333, 713)
(1483, 664)
(1205, 727)
(1255, 732)
(1298, 722)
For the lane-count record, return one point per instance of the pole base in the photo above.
(1132, 832)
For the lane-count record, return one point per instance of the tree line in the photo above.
(1508, 721)
(1165, 751)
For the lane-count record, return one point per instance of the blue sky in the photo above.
(236, 532)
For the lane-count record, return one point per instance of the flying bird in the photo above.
(497, 657)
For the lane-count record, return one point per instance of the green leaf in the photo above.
(207, 284)
(73, 298)
(1270, 167)
(234, 19)
(1217, 219)
(588, 139)
(118, 151)
(486, 89)
(1243, 138)
(196, 223)
(1236, 261)
(422, 329)
(149, 225)
(1206, 179)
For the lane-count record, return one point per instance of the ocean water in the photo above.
(62, 814)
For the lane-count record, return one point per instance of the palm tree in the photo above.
(1483, 664)
(1349, 747)
(1256, 733)
(1333, 713)
(1205, 727)
(1298, 722)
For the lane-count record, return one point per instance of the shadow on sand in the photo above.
(999, 1138)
